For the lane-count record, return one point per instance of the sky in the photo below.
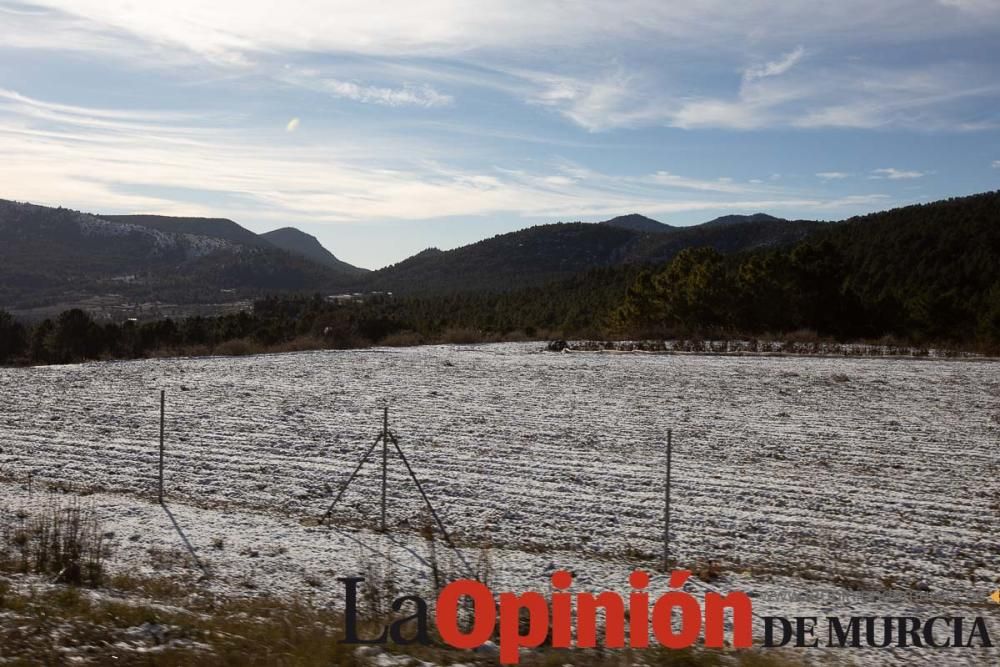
(383, 128)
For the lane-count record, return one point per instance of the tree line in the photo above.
(927, 274)
(282, 323)
(703, 293)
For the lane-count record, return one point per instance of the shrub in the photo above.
(461, 336)
(402, 339)
(66, 541)
(300, 344)
(238, 347)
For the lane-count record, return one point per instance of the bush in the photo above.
(238, 347)
(402, 339)
(300, 344)
(66, 541)
(461, 336)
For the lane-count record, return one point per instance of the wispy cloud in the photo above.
(896, 174)
(395, 27)
(418, 95)
(996, 164)
(686, 183)
(853, 95)
(421, 96)
(418, 111)
(560, 59)
(110, 162)
(55, 111)
(775, 67)
(609, 100)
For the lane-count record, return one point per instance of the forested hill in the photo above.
(305, 245)
(53, 256)
(637, 223)
(538, 255)
(57, 255)
(923, 274)
(935, 254)
(216, 228)
(928, 272)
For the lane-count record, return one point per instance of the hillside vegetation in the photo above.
(305, 245)
(927, 274)
(57, 255)
(539, 255)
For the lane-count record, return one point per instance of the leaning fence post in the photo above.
(162, 402)
(666, 507)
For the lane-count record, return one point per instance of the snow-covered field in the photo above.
(825, 486)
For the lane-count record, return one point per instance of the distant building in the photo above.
(344, 298)
(354, 297)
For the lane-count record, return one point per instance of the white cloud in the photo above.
(862, 114)
(832, 175)
(96, 115)
(775, 67)
(606, 101)
(422, 95)
(896, 174)
(718, 185)
(119, 161)
(735, 115)
(559, 181)
(851, 96)
(592, 63)
(447, 27)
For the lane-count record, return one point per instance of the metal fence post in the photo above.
(162, 402)
(666, 506)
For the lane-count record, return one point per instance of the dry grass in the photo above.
(51, 625)
(461, 336)
(402, 339)
(64, 542)
(239, 347)
(127, 619)
(160, 622)
(300, 344)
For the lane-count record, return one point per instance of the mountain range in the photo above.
(60, 256)
(924, 274)
(308, 246)
(541, 254)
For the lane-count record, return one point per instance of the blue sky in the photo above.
(387, 127)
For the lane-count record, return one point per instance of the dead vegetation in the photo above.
(55, 624)
(58, 604)
(796, 344)
(64, 542)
